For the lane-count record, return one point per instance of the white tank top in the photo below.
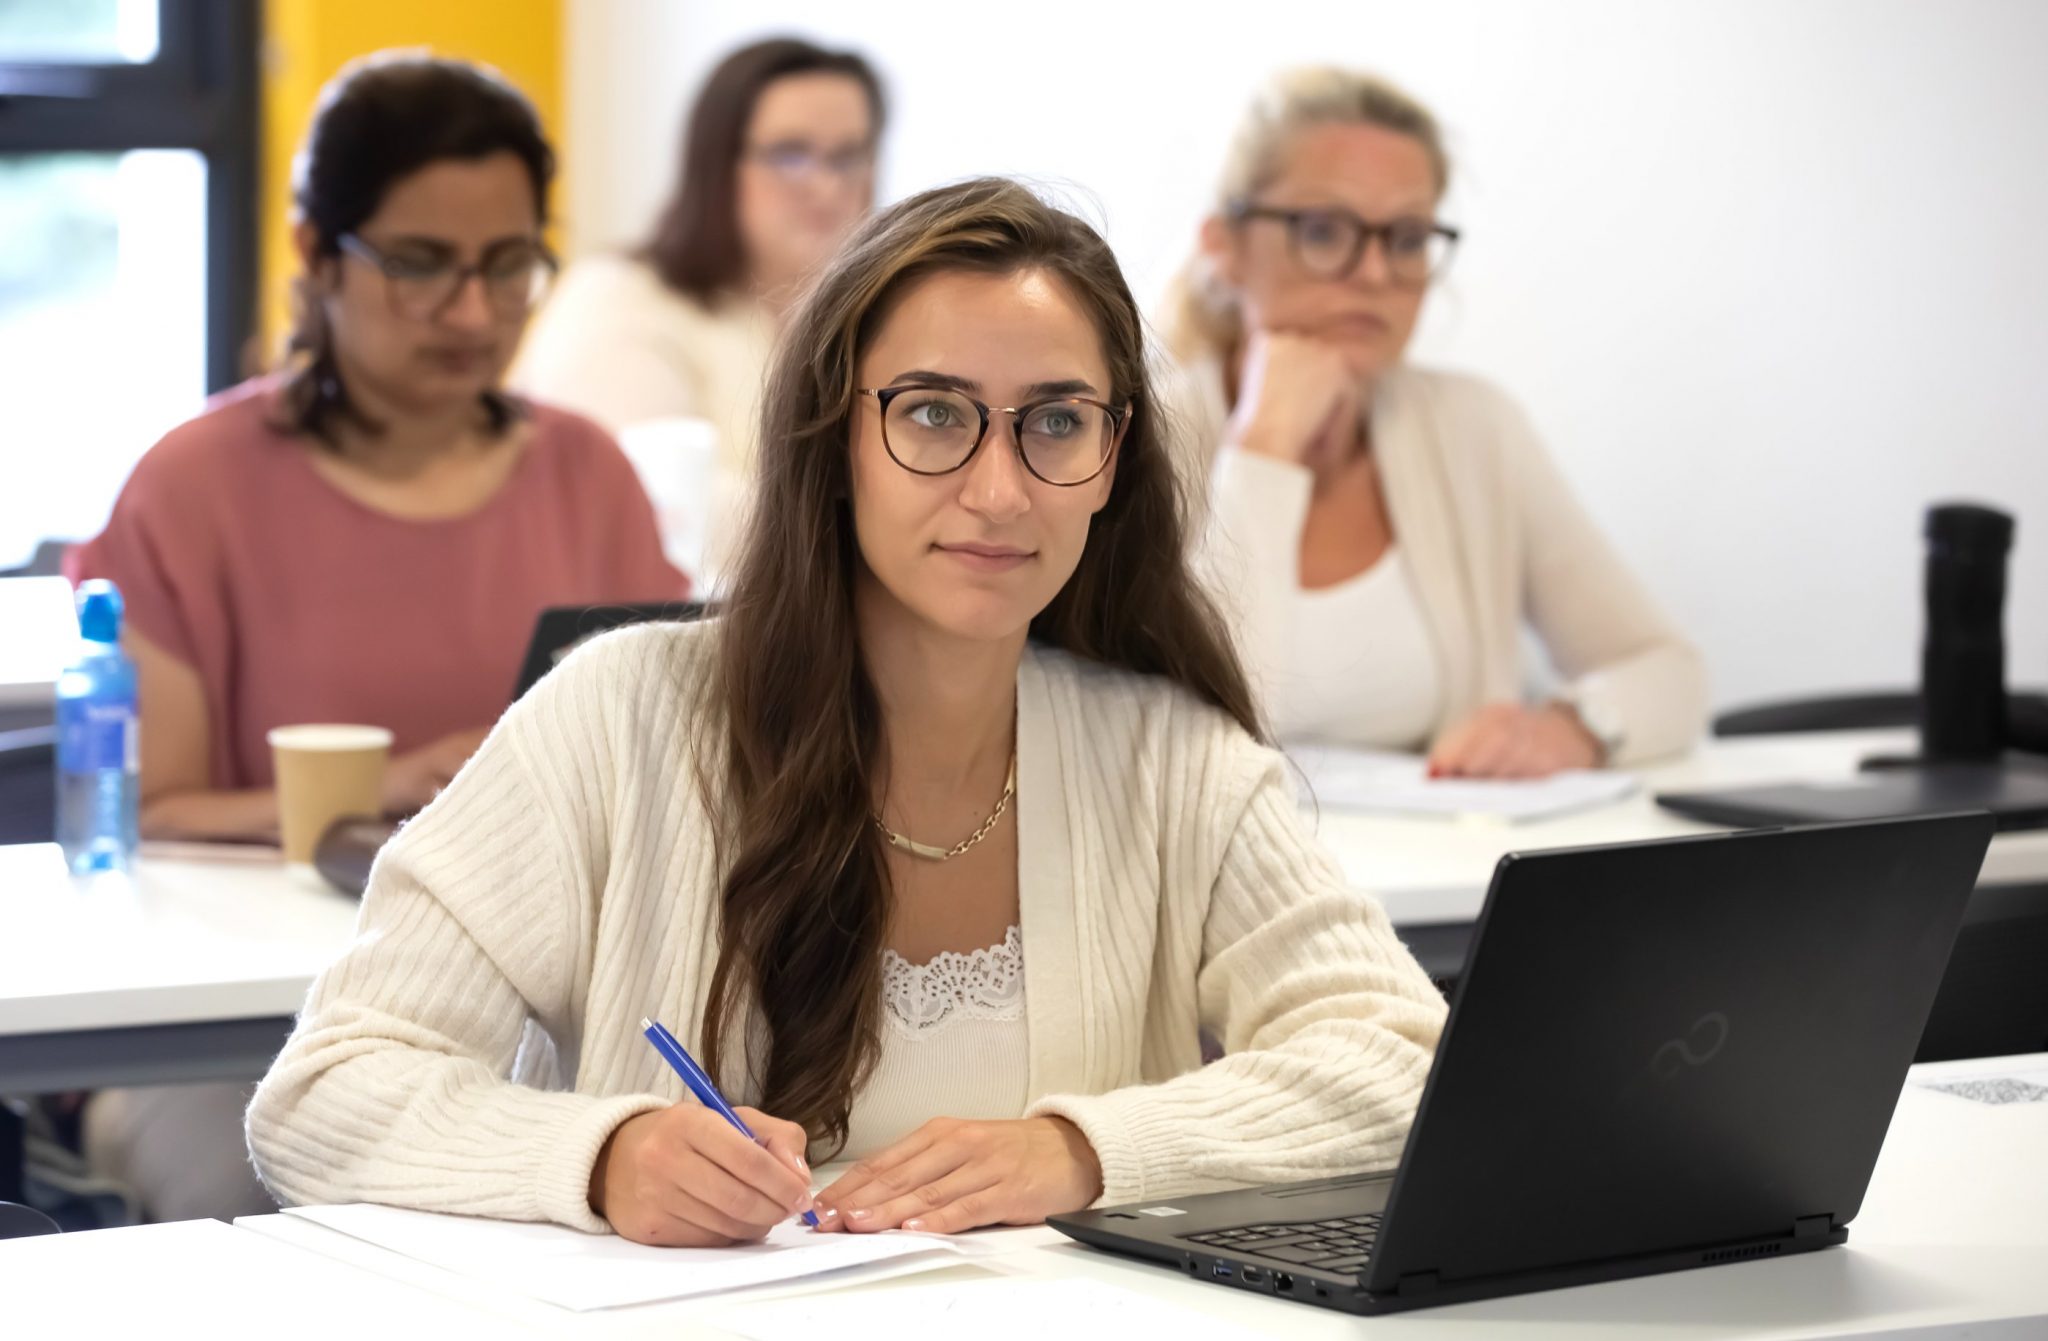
(954, 1044)
(1359, 668)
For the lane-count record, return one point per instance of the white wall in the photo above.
(1770, 276)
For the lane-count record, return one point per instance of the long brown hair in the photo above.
(806, 895)
(696, 247)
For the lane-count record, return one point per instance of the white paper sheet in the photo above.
(1019, 1309)
(588, 1271)
(1370, 783)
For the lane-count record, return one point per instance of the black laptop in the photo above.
(564, 628)
(1661, 1055)
(2014, 792)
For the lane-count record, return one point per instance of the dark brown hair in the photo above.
(806, 894)
(380, 120)
(696, 247)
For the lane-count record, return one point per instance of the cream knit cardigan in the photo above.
(616, 343)
(1495, 540)
(564, 886)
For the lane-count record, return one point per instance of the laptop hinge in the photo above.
(1813, 1226)
(1416, 1282)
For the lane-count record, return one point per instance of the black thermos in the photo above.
(1962, 665)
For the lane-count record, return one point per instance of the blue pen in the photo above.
(700, 1084)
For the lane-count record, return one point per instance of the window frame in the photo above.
(199, 93)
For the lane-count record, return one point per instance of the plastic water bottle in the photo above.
(97, 777)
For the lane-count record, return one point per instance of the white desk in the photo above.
(1952, 1236)
(1436, 871)
(38, 635)
(194, 970)
(188, 970)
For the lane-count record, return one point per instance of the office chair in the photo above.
(28, 785)
(19, 1222)
(1841, 712)
(1845, 712)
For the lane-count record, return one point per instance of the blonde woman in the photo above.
(1382, 533)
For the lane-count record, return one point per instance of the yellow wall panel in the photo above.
(305, 42)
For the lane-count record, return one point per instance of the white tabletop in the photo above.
(1428, 871)
(1952, 1236)
(178, 942)
(195, 940)
(210, 1279)
(38, 635)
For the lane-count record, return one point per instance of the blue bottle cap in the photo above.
(99, 611)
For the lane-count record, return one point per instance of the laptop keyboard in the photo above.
(1344, 1244)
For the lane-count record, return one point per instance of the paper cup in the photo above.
(323, 774)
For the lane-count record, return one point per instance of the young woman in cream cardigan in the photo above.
(941, 846)
(1380, 533)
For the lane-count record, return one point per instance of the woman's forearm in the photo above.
(211, 815)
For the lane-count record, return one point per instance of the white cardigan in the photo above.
(616, 343)
(564, 886)
(1495, 541)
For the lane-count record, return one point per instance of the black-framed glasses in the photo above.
(1063, 440)
(1328, 241)
(798, 160)
(422, 279)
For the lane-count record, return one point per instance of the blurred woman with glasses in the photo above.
(1382, 533)
(368, 537)
(778, 162)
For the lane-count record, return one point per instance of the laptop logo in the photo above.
(1700, 1045)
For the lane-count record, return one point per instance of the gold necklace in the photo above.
(930, 853)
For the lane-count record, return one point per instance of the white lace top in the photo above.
(954, 1044)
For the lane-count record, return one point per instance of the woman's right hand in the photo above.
(1297, 399)
(684, 1177)
(414, 779)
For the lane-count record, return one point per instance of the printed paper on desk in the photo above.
(1999, 1081)
(1368, 782)
(581, 1271)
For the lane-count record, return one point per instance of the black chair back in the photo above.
(28, 785)
(19, 1222)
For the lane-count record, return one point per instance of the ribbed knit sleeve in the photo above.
(1327, 1022)
(396, 1085)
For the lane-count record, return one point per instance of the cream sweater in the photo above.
(617, 344)
(1495, 542)
(564, 886)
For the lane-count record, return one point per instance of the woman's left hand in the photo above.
(1508, 740)
(949, 1176)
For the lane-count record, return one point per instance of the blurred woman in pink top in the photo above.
(370, 536)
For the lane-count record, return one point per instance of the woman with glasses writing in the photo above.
(1383, 533)
(778, 160)
(940, 846)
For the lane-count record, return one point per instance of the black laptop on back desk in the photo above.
(564, 628)
(2014, 793)
(1661, 1055)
